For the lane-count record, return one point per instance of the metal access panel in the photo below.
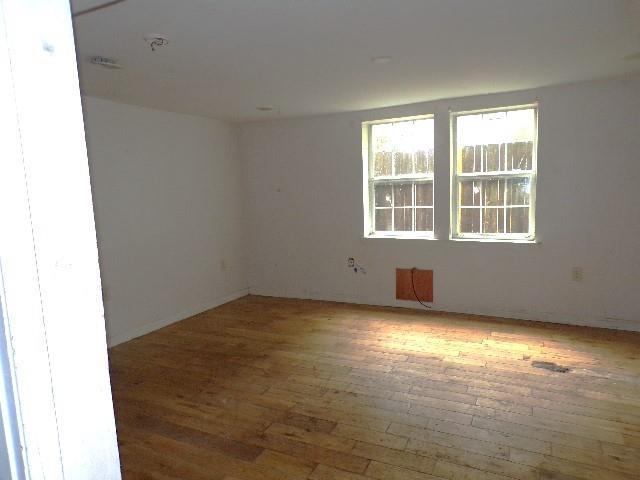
(409, 278)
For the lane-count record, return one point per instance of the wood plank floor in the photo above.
(272, 389)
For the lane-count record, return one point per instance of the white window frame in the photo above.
(369, 181)
(529, 237)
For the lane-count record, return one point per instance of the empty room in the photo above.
(321, 239)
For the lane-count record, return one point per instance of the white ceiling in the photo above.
(227, 57)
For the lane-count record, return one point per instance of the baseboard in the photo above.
(583, 320)
(116, 339)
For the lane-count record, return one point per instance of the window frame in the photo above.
(369, 181)
(532, 175)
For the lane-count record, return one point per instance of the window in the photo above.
(494, 174)
(399, 175)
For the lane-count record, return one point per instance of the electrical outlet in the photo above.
(351, 262)
(577, 274)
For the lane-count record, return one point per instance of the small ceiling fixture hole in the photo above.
(380, 60)
(156, 41)
(105, 62)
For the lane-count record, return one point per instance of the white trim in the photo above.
(52, 304)
(526, 241)
(10, 416)
(24, 332)
(427, 177)
(119, 338)
(367, 199)
(496, 175)
(399, 119)
(11, 456)
(507, 108)
(401, 236)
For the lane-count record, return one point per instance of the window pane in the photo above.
(478, 164)
(495, 141)
(518, 220)
(383, 219)
(383, 195)
(424, 219)
(471, 159)
(492, 192)
(381, 137)
(467, 159)
(520, 156)
(469, 193)
(490, 219)
(403, 162)
(495, 218)
(403, 195)
(407, 144)
(382, 149)
(518, 191)
(382, 164)
(424, 161)
(424, 194)
(469, 220)
(403, 219)
(492, 157)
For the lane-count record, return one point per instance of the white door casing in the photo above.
(52, 305)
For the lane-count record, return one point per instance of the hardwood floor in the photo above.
(268, 388)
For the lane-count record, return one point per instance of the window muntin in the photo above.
(494, 173)
(400, 177)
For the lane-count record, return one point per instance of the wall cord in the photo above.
(414, 289)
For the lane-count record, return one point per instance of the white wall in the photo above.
(304, 197)
(169, 214)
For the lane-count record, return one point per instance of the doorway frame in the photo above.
(53, 331)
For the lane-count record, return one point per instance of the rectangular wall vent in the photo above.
(422, 281)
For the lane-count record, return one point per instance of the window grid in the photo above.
(505, 171)
(396, 178)
(414, 207)
(486, 205)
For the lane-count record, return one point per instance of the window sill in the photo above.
(454, 239)
(400, 237)
(496, 240)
